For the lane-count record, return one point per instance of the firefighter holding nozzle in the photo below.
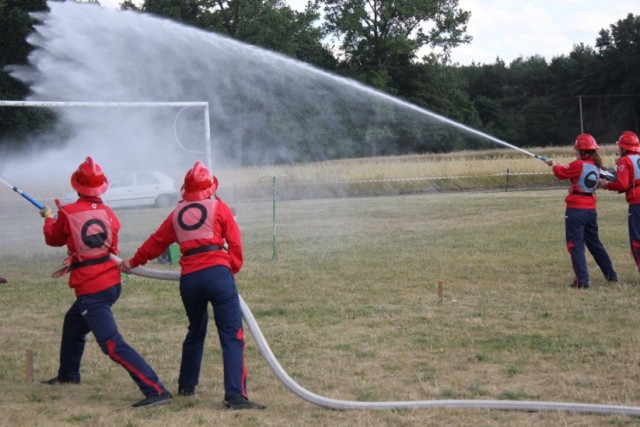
(628, 182)
(581, 218)
(89, 229)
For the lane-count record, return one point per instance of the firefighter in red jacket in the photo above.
(581, 218)
(89, 229)
(211, 248)
(628, 182)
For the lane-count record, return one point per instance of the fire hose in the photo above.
(326, 402)
(330, 403)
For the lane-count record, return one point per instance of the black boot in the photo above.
(58, 380)
(155, 400)
(241, 402)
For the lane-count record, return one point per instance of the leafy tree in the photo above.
(270, 24)
(377, 36)
(541, 124)
(619, 48)
(273, 25)
(571, 76)
(15, 26)
(532, 74)
(485, 87)
(438, 89)
(190, 12)
(512, 101)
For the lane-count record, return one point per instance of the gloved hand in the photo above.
(611, 175)
(602, 183)
(47, 212)
(550, 162)
(125, 267)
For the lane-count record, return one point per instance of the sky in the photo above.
(515, 28)
(511, 29)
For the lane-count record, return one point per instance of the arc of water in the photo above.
(326, 402)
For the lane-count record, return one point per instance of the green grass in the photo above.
(350, 309)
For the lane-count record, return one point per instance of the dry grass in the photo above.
(351, 311)
(411, 174)
(476, 163)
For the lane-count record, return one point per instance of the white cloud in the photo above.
(509, 29)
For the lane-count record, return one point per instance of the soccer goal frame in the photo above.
(94, 104)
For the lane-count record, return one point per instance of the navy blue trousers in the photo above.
(214, 285)
(581, 228)
(634, 232)
(92, 313)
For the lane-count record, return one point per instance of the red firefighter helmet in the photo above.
(199, 183)
(585, 142)
(88, 179)
(629, 141)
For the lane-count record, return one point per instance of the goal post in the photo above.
(95, 104)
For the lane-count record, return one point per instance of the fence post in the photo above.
(29, 366)
(506, 188)
(274, 256)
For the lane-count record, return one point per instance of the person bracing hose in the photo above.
(581, 218)
(628, 182)
(89, 229)
(211, 248)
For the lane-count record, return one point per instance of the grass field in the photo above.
(350, 308)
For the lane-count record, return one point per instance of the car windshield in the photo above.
(124, 180)
(146, 178)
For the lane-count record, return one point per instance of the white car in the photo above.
(131, 189)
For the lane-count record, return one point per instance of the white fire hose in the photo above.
(325, 402)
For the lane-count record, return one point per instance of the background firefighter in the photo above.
(581, 218)
(628, 182)
(89, 229)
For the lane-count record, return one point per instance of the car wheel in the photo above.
(163, 201)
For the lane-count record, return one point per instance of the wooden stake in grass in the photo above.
(440, 290)
(29, 366)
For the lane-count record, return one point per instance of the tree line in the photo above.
(529, 102)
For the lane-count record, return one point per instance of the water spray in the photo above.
(33, 201)
(522, 150)
(603, 173)
(330, 403)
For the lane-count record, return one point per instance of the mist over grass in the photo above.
(382, 176)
